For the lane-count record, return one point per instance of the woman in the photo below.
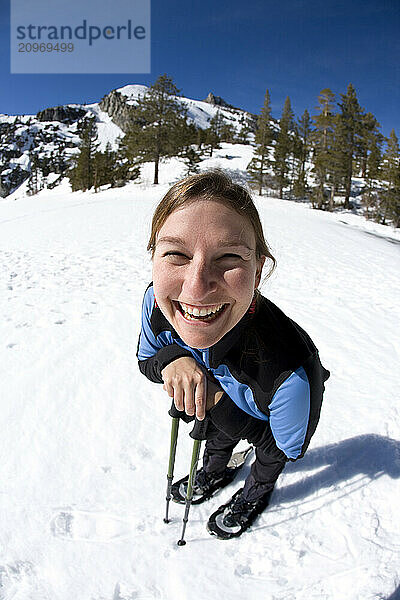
(220, 348)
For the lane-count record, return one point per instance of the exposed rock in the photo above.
(218, 101)
(114, 104)
(12, 180)
(64, 114)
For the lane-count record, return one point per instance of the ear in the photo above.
(260, 264)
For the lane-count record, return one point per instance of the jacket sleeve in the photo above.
(290, 413)
(155, 352)
(281, 435)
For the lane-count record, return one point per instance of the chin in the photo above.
(200, 344)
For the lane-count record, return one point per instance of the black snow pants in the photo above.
(227, 426)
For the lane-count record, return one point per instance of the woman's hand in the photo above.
(187, 383)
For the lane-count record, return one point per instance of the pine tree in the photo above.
(390, 197)
(323, 143)
(370, 162)
(370, 197)
(284, 147)
(260, 163)
(192, 159)
(33, 181)
(189, 137)
(302, 144)
(82, 174)
(348, 134)
(213, 133)
(228, 133)
(110, 168)
(368, 133)
(158, 119)
(60, 161)
(245, 130)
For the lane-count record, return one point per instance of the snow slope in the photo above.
(84, 436)
(199, 111)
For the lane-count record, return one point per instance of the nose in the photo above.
(200, 281)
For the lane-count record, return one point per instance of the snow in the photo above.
(132, 91)
(85, 436)
(107, 131)
(199, 111)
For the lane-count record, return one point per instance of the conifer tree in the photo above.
(192, 159)
(370, 163)
(228, 133)
(190, 136)
(33, 182)
(213, 133)
(369, 133)
(245, 129)
(390, 197)
(110, 168)
(60, 162)
(260, 163)
(158, 119)
(284, 147)
(348, 135)
(82, 174)
(301, 152)
(323, 142)
(370, 197)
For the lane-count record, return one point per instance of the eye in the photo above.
(173, 253)
(230, 255)
(175, 257)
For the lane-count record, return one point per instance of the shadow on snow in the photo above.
(369, 455)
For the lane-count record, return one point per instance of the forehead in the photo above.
(208, 219)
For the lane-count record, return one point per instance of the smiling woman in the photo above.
(222, 350)
(204, 280)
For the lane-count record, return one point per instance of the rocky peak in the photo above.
(217, 101)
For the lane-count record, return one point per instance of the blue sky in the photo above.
(238, 49)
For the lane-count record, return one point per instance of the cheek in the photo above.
(164, 282)
(241, 282)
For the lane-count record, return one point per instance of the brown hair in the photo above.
(211, 185)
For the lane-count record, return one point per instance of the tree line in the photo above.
(313, 158)
(317, 157)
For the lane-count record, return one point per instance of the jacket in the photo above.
(267, 365)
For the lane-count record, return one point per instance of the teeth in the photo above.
(200, 312)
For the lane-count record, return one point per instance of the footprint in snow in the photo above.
(125, 592)
(90, 526)
(12, 573)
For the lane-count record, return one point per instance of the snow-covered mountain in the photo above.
(51, 134)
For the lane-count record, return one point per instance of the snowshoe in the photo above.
(207, 485)
(234, 517)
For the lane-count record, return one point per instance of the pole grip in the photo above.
(179, 414)
(199, 431)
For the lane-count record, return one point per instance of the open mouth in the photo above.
(201, 313)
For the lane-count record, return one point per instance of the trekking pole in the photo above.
(176, 415)
(189, 493)
(172, 454)
(198, 434)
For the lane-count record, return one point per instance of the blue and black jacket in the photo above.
(267, 365)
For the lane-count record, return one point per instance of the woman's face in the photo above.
(205, 271)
